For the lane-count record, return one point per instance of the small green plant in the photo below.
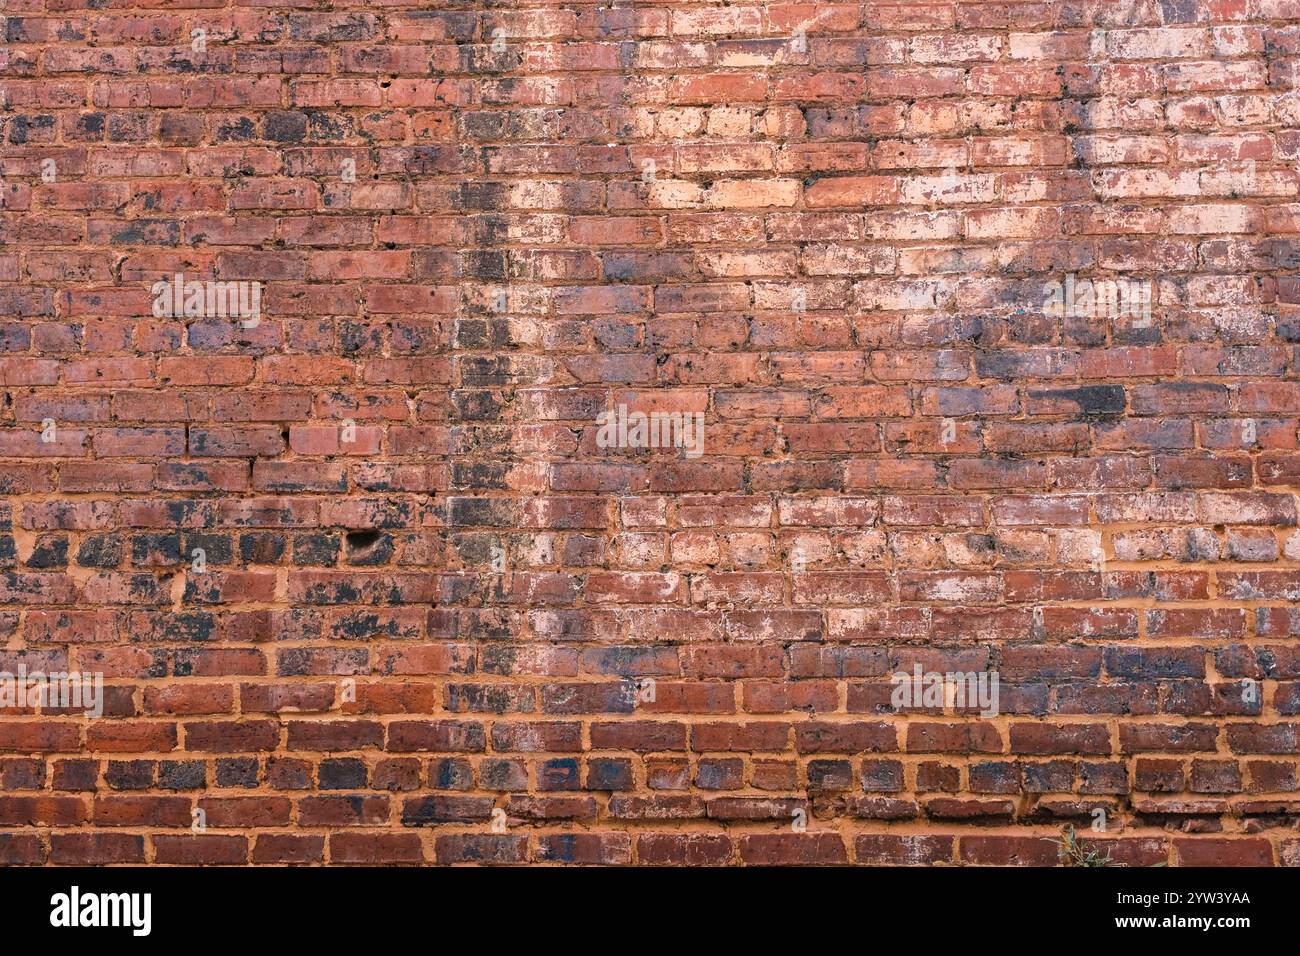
(1075, 853)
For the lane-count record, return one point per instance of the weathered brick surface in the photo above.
(436, 620)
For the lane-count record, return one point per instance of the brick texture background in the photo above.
(828, 229)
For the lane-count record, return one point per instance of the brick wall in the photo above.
(987, 313)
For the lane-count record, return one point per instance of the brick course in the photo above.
(363, 578)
